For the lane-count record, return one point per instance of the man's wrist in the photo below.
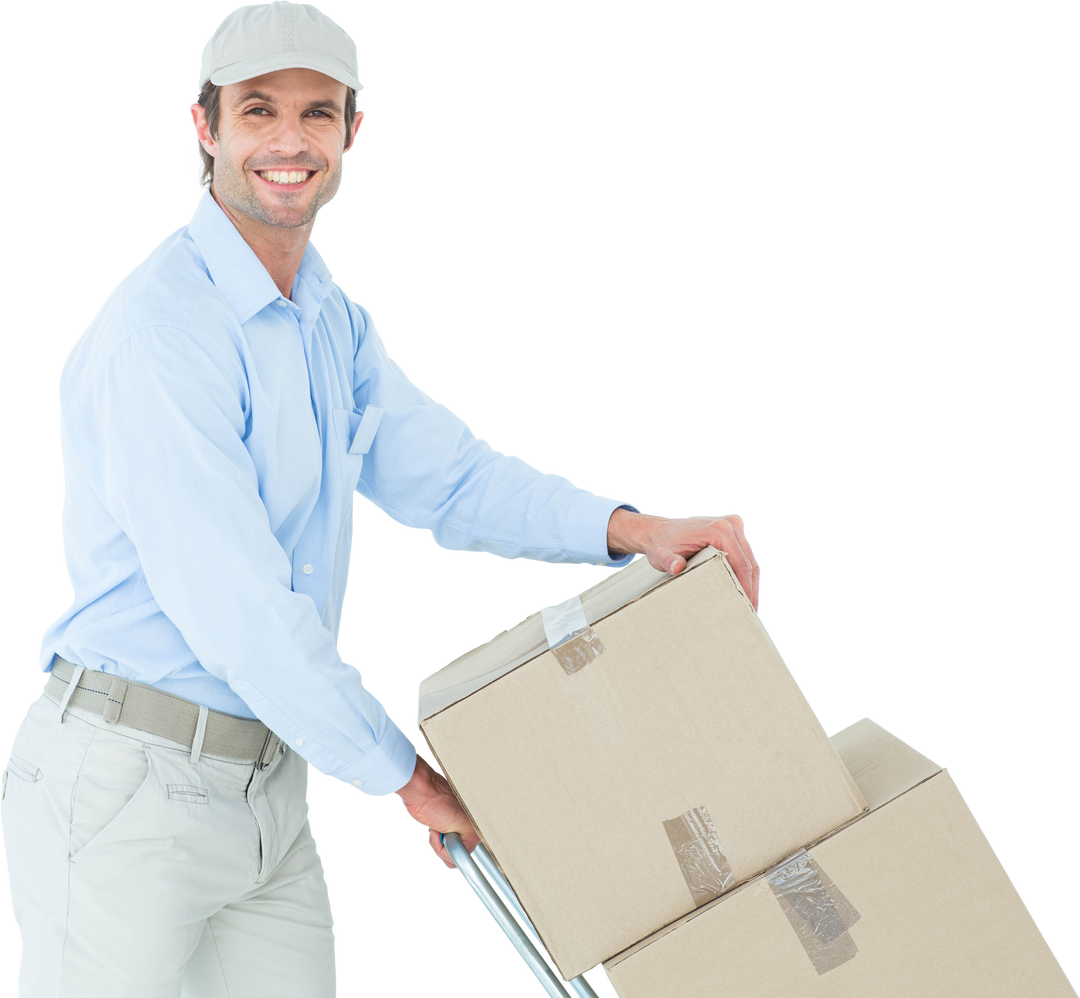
(629, 533)
(418, 782)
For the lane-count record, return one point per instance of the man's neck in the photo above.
(279, 250)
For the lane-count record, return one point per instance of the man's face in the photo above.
(277, 155)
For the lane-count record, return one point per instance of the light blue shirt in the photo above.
(213, 433)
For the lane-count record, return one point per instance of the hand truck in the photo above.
(470, 866)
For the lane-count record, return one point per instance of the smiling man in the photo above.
(279, 160)
(218, 416)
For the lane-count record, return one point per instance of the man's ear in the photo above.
(358, 123)
(202, 129)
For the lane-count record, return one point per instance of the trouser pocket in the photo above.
(114, 769)
(19, 769)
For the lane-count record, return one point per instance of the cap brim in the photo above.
(248, 70)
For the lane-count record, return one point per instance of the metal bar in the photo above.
(536, 963)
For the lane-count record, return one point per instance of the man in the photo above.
(217, 417)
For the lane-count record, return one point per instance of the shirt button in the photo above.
(281, 303)
(299, 741)
(357, 783)
(308, 569)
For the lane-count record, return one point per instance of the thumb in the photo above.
(668, 561)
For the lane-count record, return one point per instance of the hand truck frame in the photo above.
(470, 867)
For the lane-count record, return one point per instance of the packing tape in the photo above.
(571, 640)
(816, 910)
(704, 866)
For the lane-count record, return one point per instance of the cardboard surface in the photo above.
(936, 916)
(679, 762)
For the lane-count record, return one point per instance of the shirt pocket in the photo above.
(355, 431)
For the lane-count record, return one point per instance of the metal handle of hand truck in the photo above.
(470, 867)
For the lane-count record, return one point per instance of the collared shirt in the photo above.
(213, 433)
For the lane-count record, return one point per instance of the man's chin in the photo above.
(278, 212)
(285, 210)
(289, 219)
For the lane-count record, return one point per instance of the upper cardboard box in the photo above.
(680, 760)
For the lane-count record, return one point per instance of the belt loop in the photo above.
(269, 750)
(200, 734)
(114, 700)
(73, 682)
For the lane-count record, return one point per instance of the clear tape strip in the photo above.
(703, 864)
(571, 640)
(817, 911)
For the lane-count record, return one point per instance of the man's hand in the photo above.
(429, 799)
(668, 543)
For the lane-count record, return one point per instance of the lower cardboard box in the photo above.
(908, 900)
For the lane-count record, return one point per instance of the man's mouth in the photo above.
(285, 178)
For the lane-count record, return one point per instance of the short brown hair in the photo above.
(210, 101)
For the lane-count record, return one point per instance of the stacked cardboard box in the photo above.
(637, 758)
(907, 900)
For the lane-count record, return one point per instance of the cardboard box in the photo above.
(908, 901)
(637, 771)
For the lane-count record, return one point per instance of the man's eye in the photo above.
(264, 109)
(257, 111)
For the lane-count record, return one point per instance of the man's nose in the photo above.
(288, 137)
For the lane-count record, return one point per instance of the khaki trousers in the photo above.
(137, 874)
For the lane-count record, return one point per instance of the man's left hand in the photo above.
(668, 543)
(430, 800)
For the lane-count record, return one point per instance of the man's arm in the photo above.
(668, 543)
(426, 469)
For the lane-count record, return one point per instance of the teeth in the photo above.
(285, 176)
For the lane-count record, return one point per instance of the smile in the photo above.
(285, 178)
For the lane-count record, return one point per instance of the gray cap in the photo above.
(267, 37)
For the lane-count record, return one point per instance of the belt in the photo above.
(156, 712)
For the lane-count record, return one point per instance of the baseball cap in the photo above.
(267, 37)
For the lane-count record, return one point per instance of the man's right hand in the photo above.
(429, 799)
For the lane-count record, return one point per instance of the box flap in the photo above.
(881, 765)
(513, 648)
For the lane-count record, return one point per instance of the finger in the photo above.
(663, 560)
(755, 565)
(440, 850)
(446, 858)
(728, 542)
(741, 537)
